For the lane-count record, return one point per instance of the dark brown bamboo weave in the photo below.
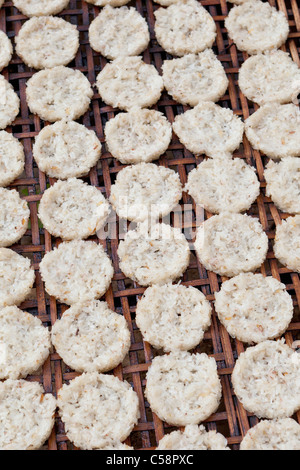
(231, 419)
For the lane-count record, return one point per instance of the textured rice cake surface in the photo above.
(76, 271)
(58, 93)
(66, 149)
(119, 32)
(254, 308)
(113, 3)
(154, 255)
(183, 388)
(283, 184)
(12, 158)
(91, 337)
(24, 343)
(209, 129)
(195, 77)
(40, 7)
(274, 129)
(184, 27)
(266, 380)
(9, 103)
(26, 415)
(287, 243)
(141, 135)
(14, 217)
(270, 77)
(117, 446)
(73, 210)
(193, 438)
(47, 41)
(223, 186)
(173, 317)
(256, 26)
(229, 244)
(16, 278)
(145, 190)
(127, 82)
(97, 410)
(281, 434)
(6, 50)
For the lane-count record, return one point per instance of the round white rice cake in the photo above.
(9, 103)
(184, 27)
(119, 32)
(145, 190)
(223, 186)
(283, 184)
(98, 409)
(66, 149)
(113, 3)
(47, 41)
(270, 77)
(6, 50)
(141, 135)
(195, 77)
(26, 415)
(14, 217)
(229, 244)
(155, 254)
(127, 82)
(266, 380)
(24, 343)
(173, 317)
(257, 27)
(91, 337)
(73, 210)
(58, 93)
(281, 434)
(40, 7)
(193, 438)
(209, 129)
(77, 271)
(183, 388)
(254, 308)
(16, 278)
(12, 158)
(274, 129)
(287, 243)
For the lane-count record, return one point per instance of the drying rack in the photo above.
(231, 419)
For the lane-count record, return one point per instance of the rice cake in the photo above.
(119, 32)
(72, 282)
(266, 380)
(98, 409)
(145, 191)
(173, 317)
(155, 254)
(184, 27)
(229, 244)
(90, 337)
(73, 210)
(141, 135)
(183, 388)
(254, 308)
